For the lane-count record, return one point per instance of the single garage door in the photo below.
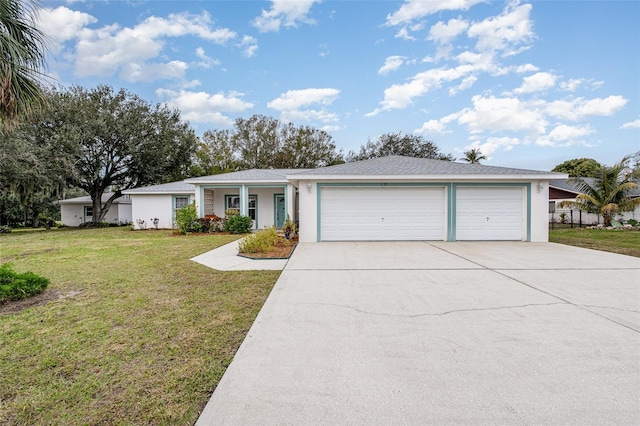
(489, 213)
(381, 213)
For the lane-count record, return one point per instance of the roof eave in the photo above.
(179, 191)
(427, 178)
(235, 182)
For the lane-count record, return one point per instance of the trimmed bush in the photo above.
(15, 286)
(261, 242)
(187, 219)
(237, 224)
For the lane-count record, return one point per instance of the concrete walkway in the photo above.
(440, 333)
(225, 258)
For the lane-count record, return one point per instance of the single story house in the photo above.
(76, 211)
(387, 198)
(565, 190)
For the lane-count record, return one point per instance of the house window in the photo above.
(88, 213)
(180, 202)
(233, 202)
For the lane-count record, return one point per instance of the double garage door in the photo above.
(419, 213)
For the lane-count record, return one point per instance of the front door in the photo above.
(280, 211)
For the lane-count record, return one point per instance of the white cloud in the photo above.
(443, 33)
(537, 82)
(202, 107)
(564, 135)
(576, 109)
(404, 33)
(295, 105)
(62, 24)
(431, 127)
(509, 32)
(153, 71)
(250, 46)
(564, 132)
(571, 85)
(416, 9)
(491, 114)
(392, 63)
(466, 83)
(400, 96)
(493, 144)
(284, 12)
(205, 61)
(131, 51)
(520, 69)
(632, 124)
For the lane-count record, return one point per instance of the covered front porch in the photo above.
(265, 204)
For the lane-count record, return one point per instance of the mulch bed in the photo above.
(282, 251)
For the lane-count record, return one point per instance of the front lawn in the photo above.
(135, 334)
(616, 241)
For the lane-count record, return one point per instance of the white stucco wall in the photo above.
(308, 211)
(147, 207)
(73, 214)
(539, 211)
(124, 213)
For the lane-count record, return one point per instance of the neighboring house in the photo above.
(565, 190)
(388, 198)
(76, 211)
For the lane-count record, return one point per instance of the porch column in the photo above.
(290, 201)
(244, 200)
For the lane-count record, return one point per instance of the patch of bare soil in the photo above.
(27, 253)
(282, 250)
(13, 307)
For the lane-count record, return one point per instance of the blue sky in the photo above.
(531, 84)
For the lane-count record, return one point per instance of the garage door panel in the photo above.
(352, 214)
(489, 213)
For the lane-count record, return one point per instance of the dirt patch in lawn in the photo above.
(282, 250)
(15, 306)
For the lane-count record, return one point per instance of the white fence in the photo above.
(579, 218)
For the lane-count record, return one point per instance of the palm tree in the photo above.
(608, 192)
(22, 53)
(474, 156)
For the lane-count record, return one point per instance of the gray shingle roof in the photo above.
(569, 185)
(252, 175)
(87, 199)
(180, 187)
(396, 165)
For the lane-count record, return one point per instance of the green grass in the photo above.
(616, 241)
(144, 341)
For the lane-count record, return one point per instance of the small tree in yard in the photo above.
(608, 193)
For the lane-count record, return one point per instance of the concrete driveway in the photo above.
(441, 333)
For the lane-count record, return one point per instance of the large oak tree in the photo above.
(263, 142)
(399, 144)
(118, 141)
(579, 167)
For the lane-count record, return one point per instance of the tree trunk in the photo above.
(98, 215)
